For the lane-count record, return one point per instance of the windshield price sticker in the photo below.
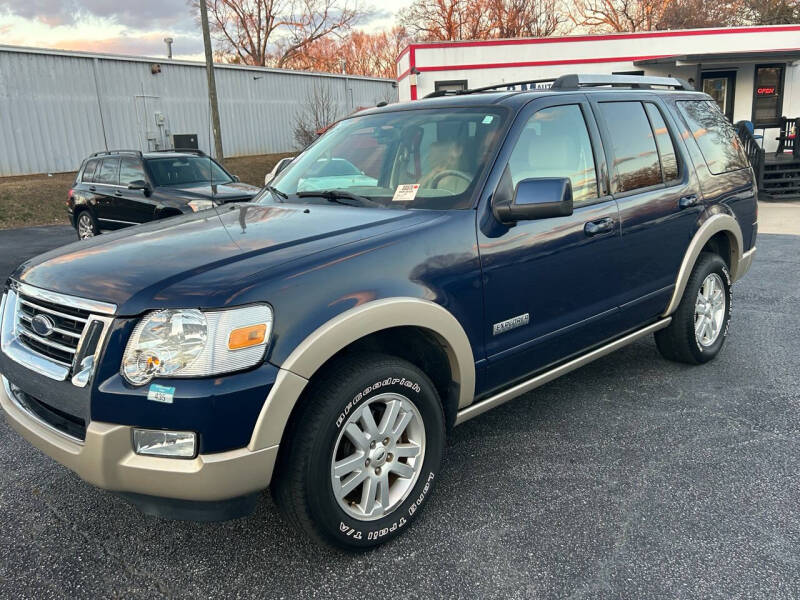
(161, 393)
(405, 192)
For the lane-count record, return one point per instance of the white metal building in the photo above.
(752, 72)
(57, 107)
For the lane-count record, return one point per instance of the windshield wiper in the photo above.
(338, 196)
(276, 192)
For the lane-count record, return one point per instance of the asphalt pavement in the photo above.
(633, 477)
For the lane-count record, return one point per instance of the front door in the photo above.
(132, 206)
(550, 285)
(720, 86)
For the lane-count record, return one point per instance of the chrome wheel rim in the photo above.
(85, 228)
(709, 310)
(378, 457)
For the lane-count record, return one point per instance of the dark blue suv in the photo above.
(416, 266)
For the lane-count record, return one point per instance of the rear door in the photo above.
(659, 202)
(105, 185)
(132, 206)
(550, 284)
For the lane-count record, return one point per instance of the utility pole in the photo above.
(212, 83)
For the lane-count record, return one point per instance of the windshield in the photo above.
(183, 170)
(406, 159)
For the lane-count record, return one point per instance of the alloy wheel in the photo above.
(709, 310)
(85, 226)
(378, 456)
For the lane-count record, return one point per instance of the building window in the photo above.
(768, 95)
(456, 85)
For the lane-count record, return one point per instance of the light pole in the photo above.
(212, 83)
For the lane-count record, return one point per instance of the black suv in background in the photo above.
(126, 187)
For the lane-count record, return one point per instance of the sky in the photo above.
(126, 26)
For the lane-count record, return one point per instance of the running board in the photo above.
(526, 386)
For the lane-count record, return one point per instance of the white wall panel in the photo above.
(51, 103)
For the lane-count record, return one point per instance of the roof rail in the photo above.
(184, 150)
(107, 152)
(500, 87)
(631, 81)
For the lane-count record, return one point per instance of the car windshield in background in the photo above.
(185, 170)
(407, 159)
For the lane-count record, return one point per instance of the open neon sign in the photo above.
(766, 91)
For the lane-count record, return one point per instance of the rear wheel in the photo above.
(86, 225)
(700, 323)
(362, 453)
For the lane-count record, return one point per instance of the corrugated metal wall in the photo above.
(58, 107)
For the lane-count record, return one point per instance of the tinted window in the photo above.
(635, 155)
(555, 143)
(666, 150)
(88, 171)
(718, 141)
(130, 170)
(109, 172)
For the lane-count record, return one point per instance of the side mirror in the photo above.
(140, 184)
(538, 198)
(236, 178)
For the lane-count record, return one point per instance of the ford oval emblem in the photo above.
(42, 325)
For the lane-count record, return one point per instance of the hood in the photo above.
(224, 192)
(131, 267)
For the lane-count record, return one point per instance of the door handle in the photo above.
(687, 201)
(597, 227)
(92, 188)
(118, 194)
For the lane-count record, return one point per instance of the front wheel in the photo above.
(700, 323)
(362, 453)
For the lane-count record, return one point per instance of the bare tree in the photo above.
(483, 19)
(619, 15)
(319, 112)
(525, 18)
(271, 32)
(770, 12)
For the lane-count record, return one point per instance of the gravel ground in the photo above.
(630, 478)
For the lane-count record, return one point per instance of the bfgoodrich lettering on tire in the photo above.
(362, 453)
(700, 323)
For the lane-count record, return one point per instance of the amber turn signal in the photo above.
(244, 337)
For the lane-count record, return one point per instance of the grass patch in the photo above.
(41, 199)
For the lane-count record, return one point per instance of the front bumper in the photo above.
(106, 459)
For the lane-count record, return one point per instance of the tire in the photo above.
(86, 225)
(699, 328)
(307, 488)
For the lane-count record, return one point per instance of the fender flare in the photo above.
(716, 224)
(344, 329)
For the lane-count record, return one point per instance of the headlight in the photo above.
(198, 205)
(191, 343)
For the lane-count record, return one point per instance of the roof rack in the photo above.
(185, 150)
(108, 152)
(569, 82)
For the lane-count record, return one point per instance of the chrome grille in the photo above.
(60, 345)
(54, 334)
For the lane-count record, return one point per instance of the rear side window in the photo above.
(109, 172)
(666, 149)
(88, 171)
(718, 141)
(633, 143)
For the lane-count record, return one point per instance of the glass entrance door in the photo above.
(720, 86)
